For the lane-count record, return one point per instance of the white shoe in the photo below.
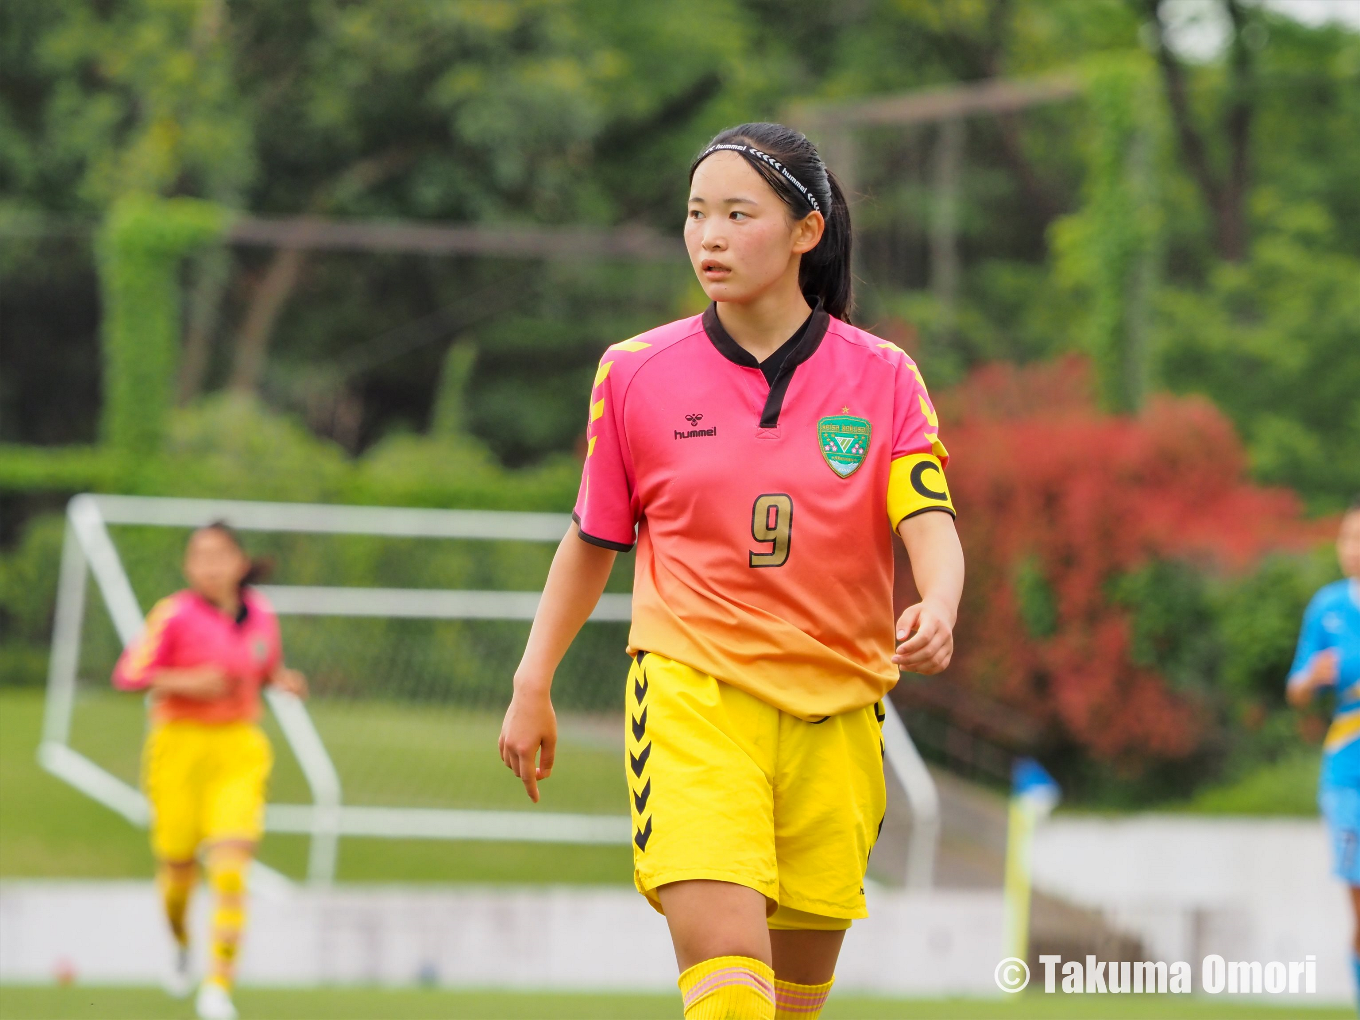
(214, 1002)
(179, 980)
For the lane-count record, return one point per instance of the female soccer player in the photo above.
(205, 654)
(762, 454)
(1329, 656)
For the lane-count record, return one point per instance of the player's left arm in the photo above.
(921, 510)
(277, 675)
(925, 631)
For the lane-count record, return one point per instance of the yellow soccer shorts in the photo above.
(205, 783)
(727, 787)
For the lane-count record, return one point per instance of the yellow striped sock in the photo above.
(176, 885)
(799, 1002)
(227, 876)
(728, 988)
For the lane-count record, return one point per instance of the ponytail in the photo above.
(825, 274)
(792, 167)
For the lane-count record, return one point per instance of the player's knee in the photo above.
(227, 876)
(229, 882)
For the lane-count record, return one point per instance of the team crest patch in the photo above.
(844, 441)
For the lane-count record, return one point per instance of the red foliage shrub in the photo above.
(1046, 483)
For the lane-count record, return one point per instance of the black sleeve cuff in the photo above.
(928, 509)
(603, 543)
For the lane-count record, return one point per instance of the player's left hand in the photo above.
(925, 639)
(290, 681)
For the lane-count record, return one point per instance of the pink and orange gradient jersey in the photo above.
(763, 512)
(187, 630)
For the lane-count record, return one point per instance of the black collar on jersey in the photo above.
(812, 331)
(773, 363)
(242, 610)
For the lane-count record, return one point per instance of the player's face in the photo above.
(741, 236)
(214, 566)
(1348, 544)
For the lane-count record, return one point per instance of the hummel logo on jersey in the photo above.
(694, 429)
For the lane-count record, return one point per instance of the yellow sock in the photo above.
(728, 988)
(227, 876)
(799, 1002)
(176, 886)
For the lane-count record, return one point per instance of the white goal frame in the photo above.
(88, 549)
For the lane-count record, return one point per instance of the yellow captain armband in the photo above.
(915, 483)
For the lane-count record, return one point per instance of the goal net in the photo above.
(409, 624)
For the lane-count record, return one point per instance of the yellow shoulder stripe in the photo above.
(629, 345)
(590, 447)
(149, 643)
(601, 372)
(889, 345)
(929, 412)
(597, 410)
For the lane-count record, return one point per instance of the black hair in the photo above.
(259, 569)
(824, 274)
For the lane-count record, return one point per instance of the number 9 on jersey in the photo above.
(772, 521)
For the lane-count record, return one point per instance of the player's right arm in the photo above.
(144, 664)
(604, 524)
(575, 582)
(1320, 672)
(1315, 664)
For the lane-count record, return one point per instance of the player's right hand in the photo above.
(202, 682)
(530, 727)
(1323, 670)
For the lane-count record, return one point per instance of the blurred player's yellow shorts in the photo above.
(205, 783)
(727, 787)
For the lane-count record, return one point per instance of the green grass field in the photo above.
(47, 829)
(341, 1004)
(394, 755)
(417, 757)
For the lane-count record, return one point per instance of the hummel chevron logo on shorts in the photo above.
(637, 737)
(643, 835)
(639, 762)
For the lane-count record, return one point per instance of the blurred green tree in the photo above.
(587, 112)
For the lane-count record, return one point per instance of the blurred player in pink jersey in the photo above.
(761, 456)
(204, 656)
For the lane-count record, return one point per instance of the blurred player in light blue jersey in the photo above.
(1329, 656)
